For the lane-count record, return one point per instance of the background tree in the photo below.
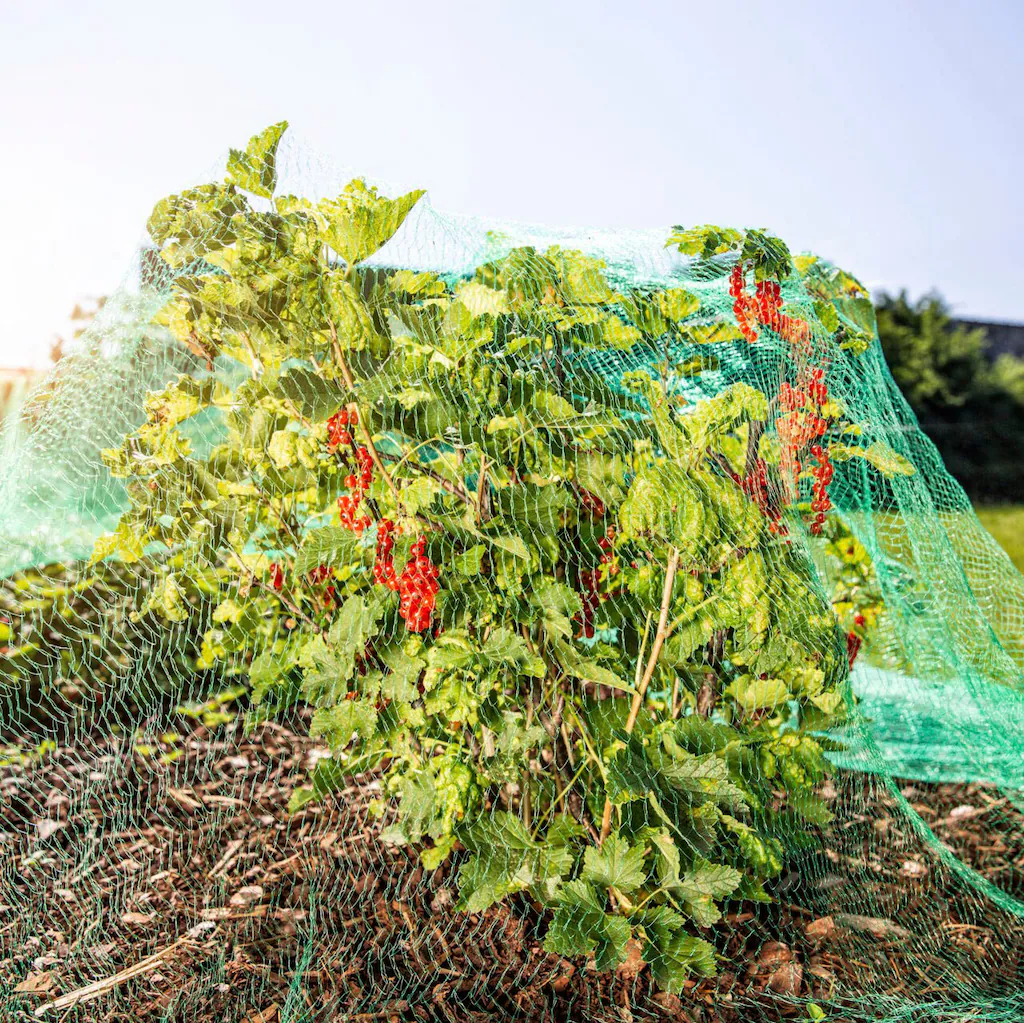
(970, 406)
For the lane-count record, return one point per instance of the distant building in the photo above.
(1003, 338)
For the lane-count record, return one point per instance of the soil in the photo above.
(175, 858)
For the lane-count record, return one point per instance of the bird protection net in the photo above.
(413, 617)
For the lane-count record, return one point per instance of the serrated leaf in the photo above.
(332, 546)
(338, 724)
(481, 300)
(706, 879)
(359, 221)
(255, 168)
(754, 694)
(616, 864)
(677, 958)
(887, 461)
(580, 926)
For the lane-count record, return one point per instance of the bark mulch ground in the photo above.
(161, 878)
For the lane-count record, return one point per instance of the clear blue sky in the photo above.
(885, 135)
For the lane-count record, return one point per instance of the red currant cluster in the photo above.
(384, 564)
(276, 576)
(744, 307)
(590, 580)
(763, 308)
(320, 574)
(755, 486)
(348, 504)
(801, 421)
(591, 504)
(822, 473)
(417, 589)
(337, 428)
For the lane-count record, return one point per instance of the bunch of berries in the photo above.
(763, 307)
(769, 299)
(384, 563)
(417, 589)
(744, 307)
(337, 428)
(348, 504)
(590, 581)
(800, 422)
(276, 576)
(755, 486)
(822, 473)
(591, 504)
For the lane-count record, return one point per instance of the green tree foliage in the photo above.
(566, 624)
(970, 406)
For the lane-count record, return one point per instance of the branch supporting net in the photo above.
(411, 617)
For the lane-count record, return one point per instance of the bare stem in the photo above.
(652, 663)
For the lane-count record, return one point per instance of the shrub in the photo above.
(572, 625)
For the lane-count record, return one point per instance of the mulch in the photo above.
(160, 877)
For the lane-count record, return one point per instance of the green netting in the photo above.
(414, 617)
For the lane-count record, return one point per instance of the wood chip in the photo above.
(36, 984)
(880, 927)
(247, 896)
(820, 928)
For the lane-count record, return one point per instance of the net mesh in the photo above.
(407, 616)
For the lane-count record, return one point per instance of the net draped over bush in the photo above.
(582, 563)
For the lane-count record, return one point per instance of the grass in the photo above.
(1006, 524)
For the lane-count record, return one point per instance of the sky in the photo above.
(886, 136)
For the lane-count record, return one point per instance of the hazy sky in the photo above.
(884, 135)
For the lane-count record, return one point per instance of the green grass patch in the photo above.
(1006, 523)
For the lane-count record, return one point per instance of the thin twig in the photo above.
(452, 488)
(100, 987)
(652, 663)
(481, 483)
(339, 358)
(377, 461)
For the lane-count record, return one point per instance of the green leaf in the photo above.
(616, 864)
(706, 879)
(677, 303)
(754, 694)
(769, 255)
(338, 724)
(812, 808)
(580, 926)
(575, 665)
(705, 241)
(422, 285)
(332, 546)
(470, 562)
(664, 503)
(674, 960)
(481, 300)
(315, 398)
(400, 681)
(503, 647)
(255, 169)
(330, 663)
(127, 542)
(499, 829)
(360, 221)
(888, 462)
